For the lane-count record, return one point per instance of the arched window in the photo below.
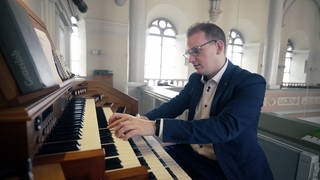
(288, 60)
(235, 47)
(160, 50)
(76, 62)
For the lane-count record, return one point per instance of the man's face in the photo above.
(205, 59)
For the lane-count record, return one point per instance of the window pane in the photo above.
(163, 57)
(75, 48)
(152, 62)
(288, 55)
(73, 20)
(287, 65)
(76, 67)
(237, 58)
(169, 32)
(233, 34)
(162, 24)
(75, 30)
(154, 30)
(229, 51)
(168, 57)
(238, 41)
(237, 49)
(168, 41)
(155, 23)
(286, 77)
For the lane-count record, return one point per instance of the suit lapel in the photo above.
(196, 95)
(222, 86)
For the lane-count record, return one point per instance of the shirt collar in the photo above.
(218, 76)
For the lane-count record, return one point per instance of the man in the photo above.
(219, 139)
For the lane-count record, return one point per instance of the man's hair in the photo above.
(212, 31)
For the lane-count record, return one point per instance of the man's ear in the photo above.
(220, 47)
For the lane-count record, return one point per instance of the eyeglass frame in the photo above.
(196, 50)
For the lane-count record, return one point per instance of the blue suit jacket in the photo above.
(232, 126)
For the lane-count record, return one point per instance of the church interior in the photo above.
(126, 56)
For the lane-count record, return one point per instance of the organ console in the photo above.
(60, 132)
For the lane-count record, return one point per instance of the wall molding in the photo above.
(102, 26)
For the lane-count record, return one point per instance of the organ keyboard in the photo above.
(148, 152)
(78, 129)
(116, 150)
(97, 154)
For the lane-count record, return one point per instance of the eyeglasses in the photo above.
(195, 51)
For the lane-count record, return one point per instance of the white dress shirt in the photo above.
(203, 109)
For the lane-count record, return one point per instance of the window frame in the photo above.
(287, 58)
(168, 25)
(231, 43)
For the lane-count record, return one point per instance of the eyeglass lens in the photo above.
(196, 50)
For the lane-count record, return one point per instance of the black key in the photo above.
(121, 109)
(151, 176)
(171, 173)
(143, 162)
(59, 147)
(102, 120)
(63, 138)
(106, 140)
(110, 150)
(113, 163)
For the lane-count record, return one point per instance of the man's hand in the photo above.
(127, 126)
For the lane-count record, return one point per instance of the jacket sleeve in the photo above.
(177, 105)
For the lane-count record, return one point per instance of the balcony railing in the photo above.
(166, 82)
(299, 85)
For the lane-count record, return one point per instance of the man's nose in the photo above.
(191, 59)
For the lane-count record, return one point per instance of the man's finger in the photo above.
(116, 122)
(115, 116)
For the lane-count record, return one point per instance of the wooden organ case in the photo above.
(26, 121)
(59, 132)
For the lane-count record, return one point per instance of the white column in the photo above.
(137, 38)
(273, 41)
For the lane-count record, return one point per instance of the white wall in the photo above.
(302, 26)
(111, 40)
(107, 30)
(251, 56)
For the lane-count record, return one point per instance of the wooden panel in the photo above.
(48, 172)
(137, 173)
(109, 96)
(77, 164)
(14, 149)
(106, 79)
